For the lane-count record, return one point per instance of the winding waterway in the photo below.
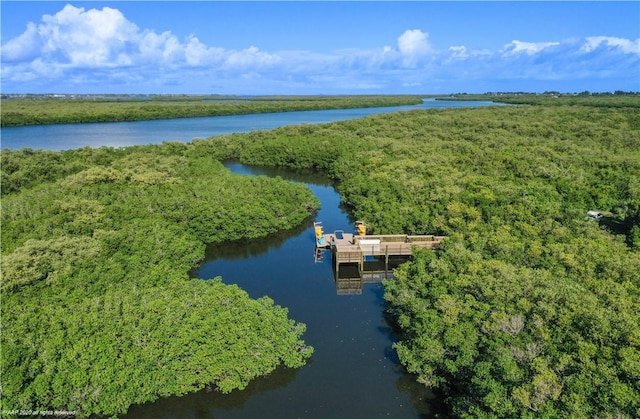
(354, 372)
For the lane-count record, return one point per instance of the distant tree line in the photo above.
(605, 99)
(548, 93)
(47, 110)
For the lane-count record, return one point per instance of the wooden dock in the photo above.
(347, 248)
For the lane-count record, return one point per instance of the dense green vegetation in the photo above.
(528, 310)
(37, 110)
(98, 311)
(607, 100)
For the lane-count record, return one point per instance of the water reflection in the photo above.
(354, 372)
(350, 280)
(199, 404)
(245, 249)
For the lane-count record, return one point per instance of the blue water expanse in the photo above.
(121, 134)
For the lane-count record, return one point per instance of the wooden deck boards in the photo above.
(350, 248)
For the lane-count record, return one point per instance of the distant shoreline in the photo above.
(21, 110)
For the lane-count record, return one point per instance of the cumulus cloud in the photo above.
(102, 48)
(75, 38)
(624, 45)
(413, 44)
(23, 48)
(529, 48)
(250, 57)
(92, 38)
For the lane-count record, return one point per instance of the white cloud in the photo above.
(250, 57)
(161, 48)
(529, 48)
(459, 51)
(77, 39)
(413, 44)
(24, 47)
(91, 38)
(625, 45)
(198, 54)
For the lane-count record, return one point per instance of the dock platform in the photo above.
(347, 248)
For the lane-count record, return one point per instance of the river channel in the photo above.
(121, 134)
(354, 372)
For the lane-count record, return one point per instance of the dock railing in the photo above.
(400, 238)
(354, 249)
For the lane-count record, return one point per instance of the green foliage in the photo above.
(131, 344)
(605, 100)
(98, 309)
(528, 309)
(40, 260)
(26, 168)
(543, 339)
(38, 110)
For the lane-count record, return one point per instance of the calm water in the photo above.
(354, 372)
(121, 134)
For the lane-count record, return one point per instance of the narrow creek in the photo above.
(354, 372)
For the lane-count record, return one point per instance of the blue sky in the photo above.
(314, 47)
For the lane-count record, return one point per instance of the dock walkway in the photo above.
(354, 249)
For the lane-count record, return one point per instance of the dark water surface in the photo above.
(354, 372)
(121, 134)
